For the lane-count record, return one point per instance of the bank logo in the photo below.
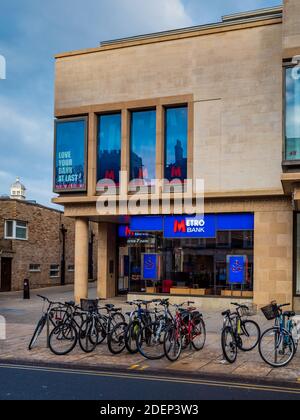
(189, 225)
(2, 68)
(2, 328)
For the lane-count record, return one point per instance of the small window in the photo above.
(71, 268)
(34, 268)
(54, 270)
(15, 229)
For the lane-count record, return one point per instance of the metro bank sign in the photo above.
(190, 227)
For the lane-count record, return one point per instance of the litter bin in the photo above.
(26, 289)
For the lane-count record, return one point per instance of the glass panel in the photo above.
(70, 155)
(9, 229)
(109, 147)
(21, 233)
(143, 147)
(176, 141)
(292, 116)
(298, 256)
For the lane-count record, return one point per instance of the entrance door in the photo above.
(5, 275)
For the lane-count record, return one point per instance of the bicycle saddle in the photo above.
(289, 314)
(116, 309)
(109, 306)
(226, 313)
(71, 303)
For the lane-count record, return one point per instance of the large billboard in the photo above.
(70, 149)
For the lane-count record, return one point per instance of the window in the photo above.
(71, 268)
(292, 120)
(109, 147)
(143, 147)
(35, 268)
(15, 229)
(54, 270)
(176, 143)
(70, 155)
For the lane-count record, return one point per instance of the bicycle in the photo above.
(106, 322)
(54, 314)
(278, 345)
(187, 329)
(238, 333)
(150, 340)
(124, 335)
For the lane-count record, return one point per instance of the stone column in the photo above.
(81, 259)
(107, 261)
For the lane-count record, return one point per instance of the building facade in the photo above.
(36, 243)
(218, 102)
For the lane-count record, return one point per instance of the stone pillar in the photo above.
(81, 259)
(107, 261)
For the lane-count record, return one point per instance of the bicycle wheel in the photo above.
(199, 335)
(116, 338)
(101, 328)
(63, 339)
(250, 335)
(173, 344)
(229, 345)
(37, 332)
(132, 333)
(88, 336)
(276, 347)
(150, 341)
(116, 318)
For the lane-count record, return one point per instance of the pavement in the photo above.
(21, 317)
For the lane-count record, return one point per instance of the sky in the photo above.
(33, 31)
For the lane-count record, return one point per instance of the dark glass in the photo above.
(70, 155)
(143, 147)
(176, 143)
(292, 121)
(109, 148)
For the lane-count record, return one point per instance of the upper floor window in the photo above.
(109, 148)
(292, 119)
(70, 155)
(176, 143)
(143, 147)
(15, 229)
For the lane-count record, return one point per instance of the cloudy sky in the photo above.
(33, 31)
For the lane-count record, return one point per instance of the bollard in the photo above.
(26, 289)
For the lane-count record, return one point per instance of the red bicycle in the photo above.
(187, 330)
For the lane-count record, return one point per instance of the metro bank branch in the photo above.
(218, 102)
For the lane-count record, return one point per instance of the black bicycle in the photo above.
(53, 315)
(238, 332)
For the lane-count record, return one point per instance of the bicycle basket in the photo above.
(89, 305)
(251, 310)
(271, 311)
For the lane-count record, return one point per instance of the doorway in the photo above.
(5, 285)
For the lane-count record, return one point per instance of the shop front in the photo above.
(206, 256)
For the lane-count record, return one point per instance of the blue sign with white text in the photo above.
(150, 267)
(190, 227)
(237, 269)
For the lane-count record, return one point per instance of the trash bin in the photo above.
(26, 289)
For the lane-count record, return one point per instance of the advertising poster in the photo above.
(70, 156)
(150, 264)
(237, 269)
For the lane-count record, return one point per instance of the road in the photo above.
(29, 383)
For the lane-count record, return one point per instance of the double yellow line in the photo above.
(210, 383)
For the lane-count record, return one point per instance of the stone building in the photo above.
(229, 94)
(31, 245)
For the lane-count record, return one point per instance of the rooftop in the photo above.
(229, 22)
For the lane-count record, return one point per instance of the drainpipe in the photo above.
(63, 256)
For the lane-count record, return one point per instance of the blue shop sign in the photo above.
(190, 227)
(237, 269)
(150, 267)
